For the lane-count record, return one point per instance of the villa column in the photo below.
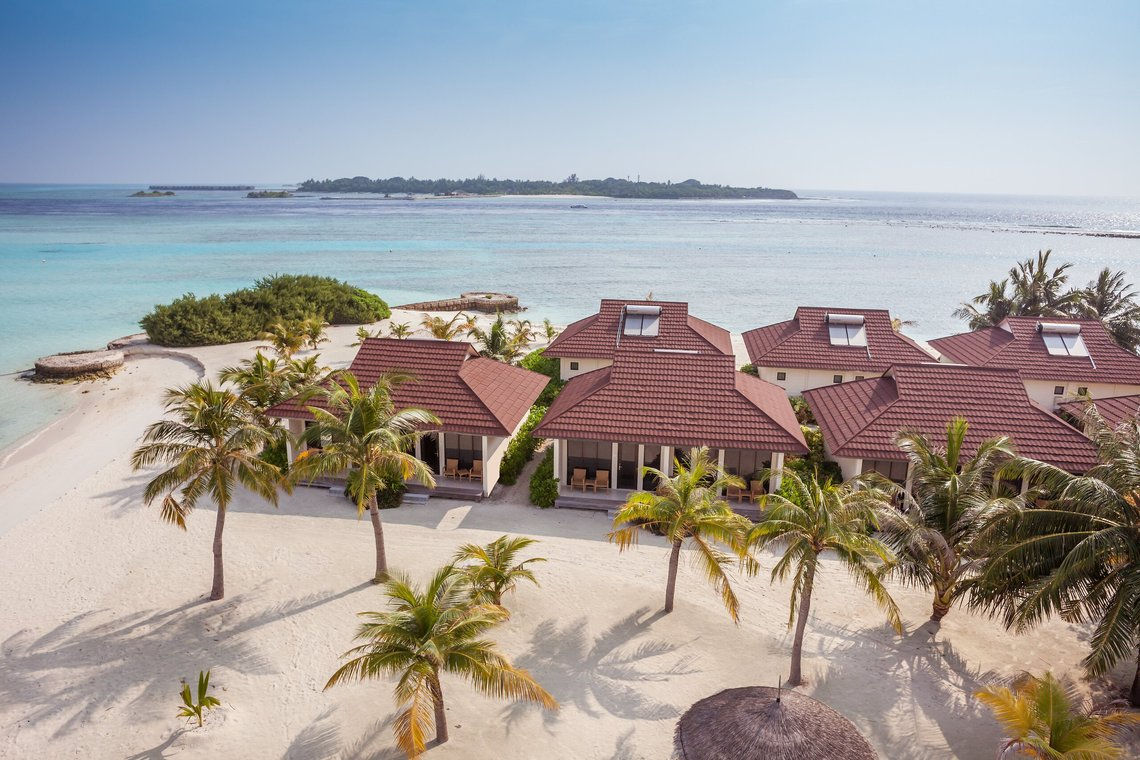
(640, 465)
(557, 444)
(909, 495)
(419, 449)
(486, 478)
(442, 454)
(720, 465)
(1024, 486)
(667, 460)
(613, 464)
(777, 472)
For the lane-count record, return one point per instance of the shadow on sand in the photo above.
(603, 675)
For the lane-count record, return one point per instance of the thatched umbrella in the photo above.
(761, 722)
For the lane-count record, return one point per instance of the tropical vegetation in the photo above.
(543, 488)
(361, 432)
(211, 446)
(244, 314)
(448, 329)
(939, 536)
(521, 448)
(687, 507)
(196, 708)
(1034, 288)
(535, 361)
(825, 518)
(427, 632)
(492, 570)
(505, 340)
(1072, 550)
(1045, 718)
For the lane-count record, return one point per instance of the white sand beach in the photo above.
(103, 610)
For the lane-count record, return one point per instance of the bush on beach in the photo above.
(243, 314)
(521, 448)
(543, 484)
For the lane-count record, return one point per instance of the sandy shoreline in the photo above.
(103, 612)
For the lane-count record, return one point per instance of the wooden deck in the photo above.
(451, 488)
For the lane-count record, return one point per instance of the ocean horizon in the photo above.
(83, 263)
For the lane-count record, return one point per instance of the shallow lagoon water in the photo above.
(81, 264)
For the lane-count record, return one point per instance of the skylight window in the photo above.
(1062, 339)
(846, 330)
(642, 320)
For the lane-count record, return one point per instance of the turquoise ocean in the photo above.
(81, 264)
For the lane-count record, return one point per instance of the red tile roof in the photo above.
(1022, 348)
(860, 419)
(597, 336)
(469, 393)
(803, 342)
(1114, 410)
(676, 399)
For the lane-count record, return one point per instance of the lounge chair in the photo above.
(578, 478)
(735, 492)
(476, 472)
(755, 490)
(601, 480)
(452, 469)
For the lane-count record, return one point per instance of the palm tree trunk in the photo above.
(671, 585)
(440, 715)
(1134, 695)
(943, 598)
(219, 589)
(795, 677)
(378, 532)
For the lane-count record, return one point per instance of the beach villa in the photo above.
(631, 326)
(481, 403)
(859, 420)
(1113, 409)
(646, 407)
(822, 346)
(1058, 359)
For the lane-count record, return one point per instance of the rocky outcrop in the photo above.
(78, 365)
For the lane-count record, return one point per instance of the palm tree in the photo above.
(312, 328)
(263, 380)
(1037, 291)
(448, 329)
(549, 331)
(819, 518)
(284, 338)
(362, 335)
(687, 506)
(937, 537)
(494, 571)
(399, 330)
(429, 632)
(497, 342)
(1111, 300)
(211, 446)
(989, 308)
(1078, 554)
(363, 434)
(1044, 718)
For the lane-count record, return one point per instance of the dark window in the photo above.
(573, 365)
(781, 375)
(1058, 390)
(465, 448)
(837, 378)
(860, 377)
(890, 469)
(1083, 390)
(745, 464)
(590, 456)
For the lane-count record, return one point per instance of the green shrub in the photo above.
(277, 454)
(521, 448)
(536, 362)
(750, 369)
(543, 484)
(243, 314)
(392, 493)
(803, 412)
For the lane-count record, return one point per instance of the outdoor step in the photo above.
(415, 498)
(578, 502)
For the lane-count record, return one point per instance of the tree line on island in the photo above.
(610, 187)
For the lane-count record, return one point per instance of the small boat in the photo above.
(579, 206)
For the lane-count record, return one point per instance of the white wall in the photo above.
(494, 447)
(851, 468)
(1042, 391)
(584, 365)
(799, 380)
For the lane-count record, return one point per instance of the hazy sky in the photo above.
(996, 96)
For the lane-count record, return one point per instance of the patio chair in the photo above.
(601, 480)
(578, 478)
(476, 472)
(755, 490)
(452, 469)
(734, 492)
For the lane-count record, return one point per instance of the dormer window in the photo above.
(641, 320)
(1062, 339)
(846, 330)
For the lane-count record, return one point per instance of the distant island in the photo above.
(201, 187)
(269, 194)
(609, 187)
(152, 194)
